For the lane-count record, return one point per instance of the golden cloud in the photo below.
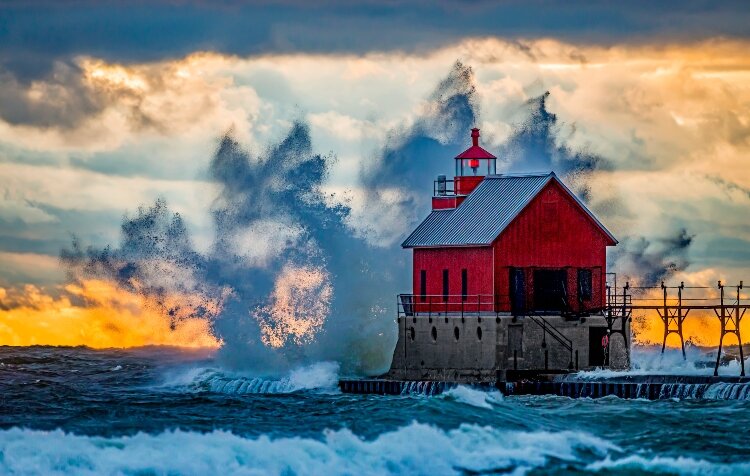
(104, 316)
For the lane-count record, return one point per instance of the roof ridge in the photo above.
(521, 175)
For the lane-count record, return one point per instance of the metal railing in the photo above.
(673, 304)
(553, 332)
(412, 305)
(444, 188)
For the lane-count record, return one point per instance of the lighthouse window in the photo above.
(464, 284)
(434, 334)
(445, 285)
(423, 285)
(456, 333)
(412, 334)
(479, 333)
(584, 284)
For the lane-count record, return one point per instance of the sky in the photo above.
(106, 107)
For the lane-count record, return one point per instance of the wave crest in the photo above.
(321, 376)
(474, 397)
(414, 449)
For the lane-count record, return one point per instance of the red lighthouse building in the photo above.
(515, 243)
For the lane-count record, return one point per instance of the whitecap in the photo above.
(413, 449)
(669, 465)
(320, 376)
(474, 397)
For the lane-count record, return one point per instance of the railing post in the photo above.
(722, 317)
(665, 317)
(679, 318)
(739, 338)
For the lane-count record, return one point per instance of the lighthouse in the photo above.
(509, 275)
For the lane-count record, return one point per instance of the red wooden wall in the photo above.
(553, 231)
(476, 260)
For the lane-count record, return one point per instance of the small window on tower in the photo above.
(423, 285)
(585, 284)
(446, 287)
(464, 284)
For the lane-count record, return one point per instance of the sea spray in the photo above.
(649, 360)
(291, 276)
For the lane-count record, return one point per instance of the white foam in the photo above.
(650, 361)
(414, 449)
(320, 376)
(473, 396)
(659, 464)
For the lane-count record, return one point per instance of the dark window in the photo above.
(517, 291)
(584, 284)
(446, 288)
(550, 292)
(423, 285)
(596, 350)
(464, 284)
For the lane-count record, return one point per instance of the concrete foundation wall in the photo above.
(479, 349)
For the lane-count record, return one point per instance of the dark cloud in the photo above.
(34, 34)
(728, 186)
(649, 261)
(62, 100)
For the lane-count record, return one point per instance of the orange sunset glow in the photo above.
(106, 317)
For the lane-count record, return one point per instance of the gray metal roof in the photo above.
(485, 213)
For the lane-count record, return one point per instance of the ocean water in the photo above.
(169, 411)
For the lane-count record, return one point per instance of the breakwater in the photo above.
(650, 387)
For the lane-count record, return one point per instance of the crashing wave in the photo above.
(728, 391)
(413, 449)
(636, 464)
(321, 376)
(474, 397)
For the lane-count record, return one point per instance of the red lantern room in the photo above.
(472, 166)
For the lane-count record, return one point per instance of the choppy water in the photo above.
(162, 411)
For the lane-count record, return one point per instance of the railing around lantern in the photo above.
(444, 188)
